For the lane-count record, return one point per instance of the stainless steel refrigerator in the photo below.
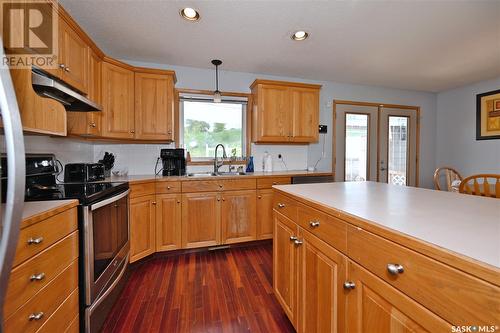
(10, 212)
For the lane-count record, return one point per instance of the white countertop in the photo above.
(466, 224)
(36, 207)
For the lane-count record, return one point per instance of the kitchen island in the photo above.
(372, 257)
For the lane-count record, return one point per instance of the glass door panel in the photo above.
(398, 146)
(355, 142)
(356, 138)
(397, 151)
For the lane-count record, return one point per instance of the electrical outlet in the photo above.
(323, 129)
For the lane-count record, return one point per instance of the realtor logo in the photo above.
(29, 32)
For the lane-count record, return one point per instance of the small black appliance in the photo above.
(83, 172)
(173, 162)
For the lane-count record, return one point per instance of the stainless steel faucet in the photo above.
(217, 165)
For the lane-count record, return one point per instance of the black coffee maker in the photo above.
(174, 162)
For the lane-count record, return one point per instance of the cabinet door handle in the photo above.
(169, 132)
(35, 316)
(37, 277)
(275, 183)
(92, 124)
(35, 241)
(132, 131)
(298, 242)
(62, 66)
(67, 69)
(154, 202)
(259, 197)
(349, 285)
(218, 199)
(293, 238)
(395, 269)
(168, 187)
(314, 224)
(178, 201)
(281, 205)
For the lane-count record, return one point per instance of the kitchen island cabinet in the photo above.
(367, 246)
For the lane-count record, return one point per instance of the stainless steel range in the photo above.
(104, 233)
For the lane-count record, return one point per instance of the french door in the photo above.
(376, 142)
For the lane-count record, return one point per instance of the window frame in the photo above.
(179, 122)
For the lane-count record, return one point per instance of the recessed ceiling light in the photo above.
(190, 14)
(300, 35)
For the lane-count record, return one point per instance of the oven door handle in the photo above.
(109, 201)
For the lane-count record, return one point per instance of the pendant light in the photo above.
(217, 95)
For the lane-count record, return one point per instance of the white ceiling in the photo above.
(419, 45)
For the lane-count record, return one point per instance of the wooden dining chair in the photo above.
(451, 175)
(488, 187)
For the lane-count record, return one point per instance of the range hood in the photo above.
(47, 86)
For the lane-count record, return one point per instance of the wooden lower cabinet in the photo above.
(201, 219)
(322, 271)
(284, 265)
(375, 306)
(238, 216)
(264, 214)
(168, 222)
(142, 227)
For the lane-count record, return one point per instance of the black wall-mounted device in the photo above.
(322, 128)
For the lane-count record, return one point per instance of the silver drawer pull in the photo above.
(293, 238)
(37, 277)
(395, 269)
(298, 242)
(35, 241)
(35, 316)
(281, 205)
(314, 224)
(349, 285)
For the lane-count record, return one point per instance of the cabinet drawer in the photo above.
(63, 317)
(238, 184)
(285, 206)
(455, 296)
(138, 190)
(45, 266)
(201, 186)
(329, 229)
(168, 187)
(37, 237)
(44, 303)
(268, 182)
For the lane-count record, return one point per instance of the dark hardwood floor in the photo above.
(217, 291)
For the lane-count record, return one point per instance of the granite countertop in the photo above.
(465, 224)
(258, 174)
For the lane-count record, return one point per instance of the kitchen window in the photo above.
(204, 124)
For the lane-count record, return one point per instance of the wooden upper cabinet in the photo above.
(154, 106)
(89, 123)
(117, 101)
(284, 112)
(73, 58)
(38, 114)
(375, 306)
(272, 113)
(238, 216)
(305, 114)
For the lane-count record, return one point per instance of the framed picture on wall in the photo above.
(488, 115)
